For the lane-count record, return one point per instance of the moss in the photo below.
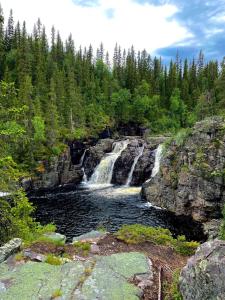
(57, 293)
(135, 234)
(53, 260)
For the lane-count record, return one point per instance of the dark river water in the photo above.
(82, 209)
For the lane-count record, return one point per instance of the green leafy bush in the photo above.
(135, 234)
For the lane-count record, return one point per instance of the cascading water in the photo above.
(104, 171)
(81, 163)
(158, 156)
(82, 157)
(130, 176)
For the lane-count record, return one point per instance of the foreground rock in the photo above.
(204, 277)
(191, 178)
(10, 248)
(101, 277)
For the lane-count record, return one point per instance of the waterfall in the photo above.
(104, 171)
(130, 176)
(82, 157)
(158, 156)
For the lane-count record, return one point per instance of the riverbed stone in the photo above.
(10, 248)
(100, 277)
(93, 236)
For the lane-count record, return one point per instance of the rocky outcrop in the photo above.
(145, 163)
(10, 248)
(192, 172)
(59, 171)
(203, 277)
(94, 155)
(98, 277)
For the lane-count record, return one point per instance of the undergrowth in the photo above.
(135, 234)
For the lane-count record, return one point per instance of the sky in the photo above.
(162, 27)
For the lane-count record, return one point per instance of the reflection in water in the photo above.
(79, 211)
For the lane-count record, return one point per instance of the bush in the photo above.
(53, 260)
(82, 247)
(135, 234)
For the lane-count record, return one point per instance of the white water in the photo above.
(4, 194)
(82, 157)
(158, 156)
(130, 176)
(104, 171)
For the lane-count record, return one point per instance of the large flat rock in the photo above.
(101, 277)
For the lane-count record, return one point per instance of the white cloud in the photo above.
(143, 25)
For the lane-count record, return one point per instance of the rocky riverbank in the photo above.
(191, 178)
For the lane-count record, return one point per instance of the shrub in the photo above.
(135, 234)
(45, 239)
(53, 260)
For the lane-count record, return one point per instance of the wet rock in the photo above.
(93, 236)
(10, 248)
(191, 177)
(203, 277)
(56, 237)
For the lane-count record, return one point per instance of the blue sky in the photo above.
(162, 27)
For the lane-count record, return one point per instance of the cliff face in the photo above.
(191, 180)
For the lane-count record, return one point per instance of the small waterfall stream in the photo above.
(130, 176)
(104, 171)
(158, 156)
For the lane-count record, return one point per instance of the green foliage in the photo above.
(82, 247)
(39, 129)
(135, 234)
(171, 291)
(45, 239)
(182, 136)
(53, 260)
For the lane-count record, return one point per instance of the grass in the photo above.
(46, 239)
(171, 290)
(53, 260)
(136, 234)
(82, 247)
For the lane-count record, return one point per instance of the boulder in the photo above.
(10, 248)
(203, 278)
(56, 237)
(191, 177)
(93, 236)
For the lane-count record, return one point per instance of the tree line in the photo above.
(51, 91)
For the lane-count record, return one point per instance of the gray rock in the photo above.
(92, 236)
(34, 256)
(56, 237)
(191, 177)
(102, 277)
(10, 248)
(203, 278)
